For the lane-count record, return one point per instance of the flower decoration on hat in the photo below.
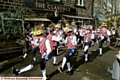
(57, 26)
(103, 25)
(68, 30)
(88, 28)
(38, 32)
(73, 23)
(52, 25)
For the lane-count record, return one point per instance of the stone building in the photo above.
(79, 10)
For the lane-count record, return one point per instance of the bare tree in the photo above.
(109, 9)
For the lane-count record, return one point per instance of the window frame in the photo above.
(79, 3)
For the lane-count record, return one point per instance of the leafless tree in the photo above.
(110, 9)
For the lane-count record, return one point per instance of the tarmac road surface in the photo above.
(95, 69)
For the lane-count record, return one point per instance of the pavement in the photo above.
(94, 69)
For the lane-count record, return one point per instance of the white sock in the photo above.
(34, 58)
(78, 40)
(86, 57)
(96, 41)
(68, 65)
(27, 68)
(54, 59)
(86, 48)
(82, 44)
(64, 61)
(57, 52)
(44, 73)
(100, 49)
(25, 55)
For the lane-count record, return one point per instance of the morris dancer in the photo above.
(88, 39)
(45, 50)
(53, 42)
(71, 41)
(115, 68)
(58, 34)
(114, 35)
(82, 31)
(34, 45)
(103, 36)
(28, 44)
(75, 30)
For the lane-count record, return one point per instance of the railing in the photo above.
(8, 53)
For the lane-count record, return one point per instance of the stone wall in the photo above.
(10, 4)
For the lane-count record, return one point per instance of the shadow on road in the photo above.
(76, 63)
(94, 54)
(8, 65)
(52, 74)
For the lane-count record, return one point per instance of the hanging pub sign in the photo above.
(45, 6)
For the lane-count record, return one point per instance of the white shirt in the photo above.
(74, 40)
(56, 38)
(36, 42)
(108, 32)
(92, 36)
(48, 47)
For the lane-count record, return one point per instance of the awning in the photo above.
(77, 17)
(36, 19)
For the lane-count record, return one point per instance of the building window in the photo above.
(54, 0)
(79, 3)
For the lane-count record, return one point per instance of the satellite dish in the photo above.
(101, 17)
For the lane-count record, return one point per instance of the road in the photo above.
(95, 69)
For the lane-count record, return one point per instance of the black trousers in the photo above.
(54, 52)
(87, 44)
(40, 61)
(102, 41)
(67, 55)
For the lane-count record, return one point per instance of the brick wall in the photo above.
(86, 11)
(10, 4)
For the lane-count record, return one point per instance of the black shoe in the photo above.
(48, 77)
(22, 58)
(56, 64)
(110, 70)
(60, 69)
(69, 72)
(15, 71)
(100, 55)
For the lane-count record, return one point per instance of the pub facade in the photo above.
(79, 10)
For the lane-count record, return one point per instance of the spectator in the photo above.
(115, 69)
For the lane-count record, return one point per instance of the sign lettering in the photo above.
(43, 6)
(52, 7)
